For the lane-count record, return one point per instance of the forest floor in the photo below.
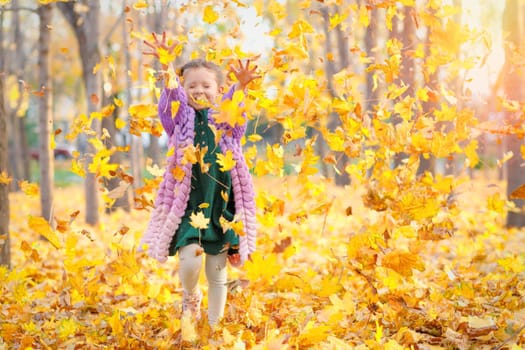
(300, 291)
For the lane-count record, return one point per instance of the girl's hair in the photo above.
(200, 63)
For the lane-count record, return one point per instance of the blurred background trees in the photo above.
(375, 87)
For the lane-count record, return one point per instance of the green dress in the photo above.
(212, 194)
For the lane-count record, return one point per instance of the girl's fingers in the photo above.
(149, 44)
(155, 37)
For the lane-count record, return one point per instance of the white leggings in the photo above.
(190, 265)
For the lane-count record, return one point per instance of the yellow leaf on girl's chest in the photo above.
(199, 221)
(226, 161)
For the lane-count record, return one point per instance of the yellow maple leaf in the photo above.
(199, 221)
(77, 168)
(141, 4)
(262, 268)
(67, 327)
(42, 227)
(313, 334)
(115, 323)
(29, 188)
(4, 178)
(496, 203)
(226, 161)
(472, 155)
(143, 110)
(231, 111)
(238, 228)
(337, 19)
(101, 165)
(210, 15)
(190, 155)
(512, 263)
(165, 56)
(120, 123)
(402, 262)
(201, 152)
(254, 138)
(300, 28)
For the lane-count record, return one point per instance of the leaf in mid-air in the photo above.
(518, 193)
(42, 227)
(210, 15)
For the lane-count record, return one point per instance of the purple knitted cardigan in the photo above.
(172, 195)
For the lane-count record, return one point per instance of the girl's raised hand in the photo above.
(157, 44)
(244, 73)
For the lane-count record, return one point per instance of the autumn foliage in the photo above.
(397, 259)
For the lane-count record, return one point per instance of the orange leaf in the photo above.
(402, 262)
(94, 99)
(518, 193)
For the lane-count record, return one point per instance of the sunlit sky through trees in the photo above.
(485, 16)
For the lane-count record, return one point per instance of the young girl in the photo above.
(201, 189)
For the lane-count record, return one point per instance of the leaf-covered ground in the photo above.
(307, 287)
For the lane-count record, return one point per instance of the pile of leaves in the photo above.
(332, 274)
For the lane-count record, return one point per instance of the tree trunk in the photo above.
(16, 123)
(5, 251)
(86, 26)
(15, 65)
(513, 23)
(91, 57)
(46, 155)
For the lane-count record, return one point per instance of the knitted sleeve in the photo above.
(167, 97)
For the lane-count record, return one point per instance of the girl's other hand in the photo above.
(244, 73)
(235, 260)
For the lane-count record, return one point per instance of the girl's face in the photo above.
(201, 86)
